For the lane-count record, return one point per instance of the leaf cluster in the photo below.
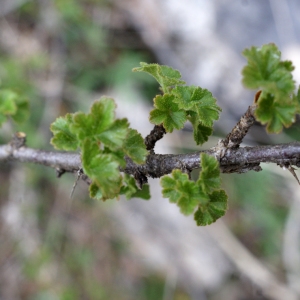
(13, 105)
(103, 141)
(203, 197)
(276, 105)
(180, 103)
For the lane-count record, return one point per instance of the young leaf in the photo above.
(115, 135)
(265, 71)
(166, 76)
(208, 111)
(191, 196)
(169, 185)
(144, 193)
(201, 132)
(209, 178)
(166, 112)
(95, 191)
(275, 114)
(102, 169)
(100, 118)
(131, 190)
(134, 147)
(100, 125)
(186, 193)
(199, 100)
(213, 210)
(63, 137)
(117, 155)
(189, 96)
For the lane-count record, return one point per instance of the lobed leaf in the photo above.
(100, 119)
(167, 112)
(198, 100)
(275, 114)
(213, 210)
(165, 75)
(191, 196)
(63, 137)
(208, 111)
(130, 189)
(115, 135)
(134, 147)
(102, 169)
(189, 96)
(209, 178)
(267, 72)
(169, 185)
(201, 132)
(277, 106)
(186, 193)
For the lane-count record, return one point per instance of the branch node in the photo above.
(140, 178)
(18, 140)
(60, 172)
(219, 150)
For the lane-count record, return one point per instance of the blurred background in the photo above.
(64, 54)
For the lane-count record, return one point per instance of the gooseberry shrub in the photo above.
(107, 145)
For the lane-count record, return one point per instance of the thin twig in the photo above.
(235, 137)
(238, 160)
(155, 135)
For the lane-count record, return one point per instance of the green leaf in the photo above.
(189, 96)
(115, 135)
(100, 119)
(209, 178)
(8, 102)
(63, 137)
(22, 113)
(169, 185)
(201, 132)
(296, 100)
(166, 112)
(267, 72)
(102, 169)
(275, 114)
(134, 147)
(213, 210)
(144, 193)
(131, 190)
(208, 111)
(186, 193)
(95, 191)
(165, 75)
(191, 196)
(117, 155)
